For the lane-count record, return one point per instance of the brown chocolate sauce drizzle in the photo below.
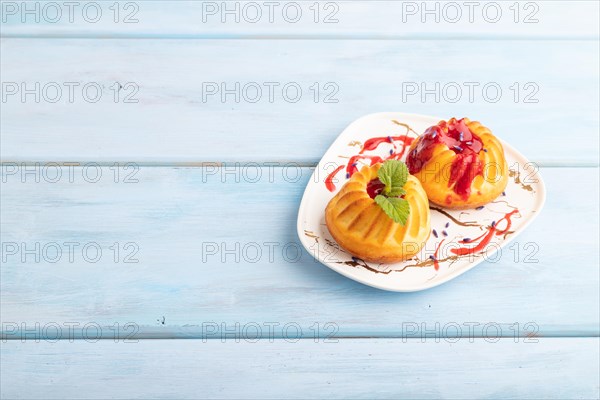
(517, 177)
(470, 223)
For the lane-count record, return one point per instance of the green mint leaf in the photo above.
(396, 208)
(396, 192)
(393, 174)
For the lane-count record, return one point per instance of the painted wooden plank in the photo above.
(218, 246)
(341, 19)
(177, 120)
(351, 368)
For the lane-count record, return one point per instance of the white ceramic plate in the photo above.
(525, 192)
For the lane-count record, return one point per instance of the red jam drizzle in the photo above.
(375, 187)
(508, 222)
(462, 251)
(436, 263)
(399, 143)
(352, 166)
(329, 180)
(485, 239)
(373, 143)
(456, 135)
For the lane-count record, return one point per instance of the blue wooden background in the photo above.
(187, 184)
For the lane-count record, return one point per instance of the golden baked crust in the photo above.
(435, 173)
(361, 226)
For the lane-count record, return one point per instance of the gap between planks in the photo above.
(268, 36)
(201, 164)
(333, 339)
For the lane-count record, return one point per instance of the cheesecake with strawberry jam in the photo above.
(460, 164)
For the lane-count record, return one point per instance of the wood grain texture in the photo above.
(340, 19)
(179, 283)
(351, 369)
(180, 289)
(173, 123)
